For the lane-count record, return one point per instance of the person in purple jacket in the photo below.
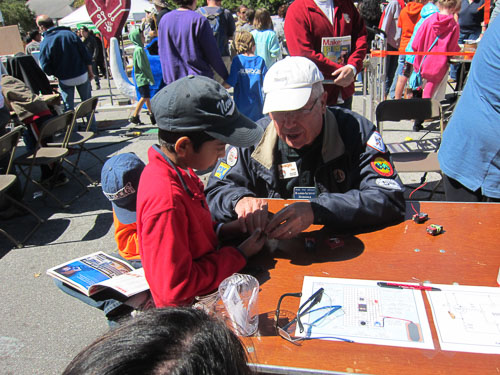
(186, 44)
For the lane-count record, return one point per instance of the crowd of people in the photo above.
(287, 132)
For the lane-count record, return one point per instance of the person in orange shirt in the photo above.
(408, 18)
(120, 180)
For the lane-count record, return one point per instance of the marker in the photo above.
(407, 286)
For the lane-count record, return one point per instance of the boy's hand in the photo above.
(252, 214)
(253, 244)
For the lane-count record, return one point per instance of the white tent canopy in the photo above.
(137, 12)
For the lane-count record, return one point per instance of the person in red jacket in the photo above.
(178, 240)
(307, 24)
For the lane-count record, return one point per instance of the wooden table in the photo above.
(467, 253)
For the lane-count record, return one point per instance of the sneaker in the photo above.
(98, 86)
(152, 118)
(135, 120)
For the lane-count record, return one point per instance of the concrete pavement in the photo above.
(42, 329)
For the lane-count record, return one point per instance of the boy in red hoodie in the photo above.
(178, 241)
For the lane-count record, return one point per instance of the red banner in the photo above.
(109, 16)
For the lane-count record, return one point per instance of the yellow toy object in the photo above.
(408, 139)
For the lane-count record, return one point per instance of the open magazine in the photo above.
(336, 49)
(95, 272)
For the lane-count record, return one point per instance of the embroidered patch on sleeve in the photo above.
(232, 156)
(222, 170)
(382, 166)
(376, 142)
(388, 184)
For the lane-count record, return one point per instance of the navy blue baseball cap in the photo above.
(198, 103)
(120, 180)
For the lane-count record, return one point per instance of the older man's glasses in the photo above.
(299, 113)
(315, 317)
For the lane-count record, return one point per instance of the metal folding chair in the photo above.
(76, 139)
(8, 145)
(51, 156)
(412, 109)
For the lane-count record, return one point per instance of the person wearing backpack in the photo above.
(439, 33)
(222, 23)
(186, 44)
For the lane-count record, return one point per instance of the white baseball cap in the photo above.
(288, 84)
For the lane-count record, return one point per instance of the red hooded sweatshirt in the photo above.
(408, 18)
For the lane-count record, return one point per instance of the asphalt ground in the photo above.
(41, 328)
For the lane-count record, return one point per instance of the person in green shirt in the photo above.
(143, 76)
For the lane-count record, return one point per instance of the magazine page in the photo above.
(336, 49)
(128, 284)
(82, 273)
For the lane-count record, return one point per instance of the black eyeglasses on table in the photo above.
(304, 309)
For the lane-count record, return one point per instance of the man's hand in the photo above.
(253, 244)
(252, 214)
(290, 221)
(343, 76)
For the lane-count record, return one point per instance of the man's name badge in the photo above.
(304, 192)
(288, 170)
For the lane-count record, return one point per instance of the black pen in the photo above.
(407, 286)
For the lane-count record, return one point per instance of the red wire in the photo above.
(409, 197)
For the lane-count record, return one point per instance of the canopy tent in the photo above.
(53, 8)
(137, 12)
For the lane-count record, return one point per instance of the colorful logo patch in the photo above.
(376, 142)
(382, 166)
(222, 170)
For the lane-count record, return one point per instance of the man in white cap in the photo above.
(332, 157)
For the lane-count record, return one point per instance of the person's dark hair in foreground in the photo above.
(172, 340)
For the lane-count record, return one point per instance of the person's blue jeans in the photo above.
(461, 37)
(391, 65)
(68, 94)
(399, 72)
(68, 97)
(113, 309)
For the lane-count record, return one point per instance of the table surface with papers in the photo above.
(465, 253)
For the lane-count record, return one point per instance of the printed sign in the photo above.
(109, 16)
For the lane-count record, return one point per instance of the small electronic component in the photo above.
(434, 229)
(420, 217)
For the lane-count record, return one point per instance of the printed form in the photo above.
(467, 318)
(362, 311)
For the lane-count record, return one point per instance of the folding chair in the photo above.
(51, 156)
(409, 109)
(75, 139)
(412, 109)
(8, 144)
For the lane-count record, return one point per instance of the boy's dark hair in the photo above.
(172, 340)
(33, 34)
(183, 3)
(167, 139)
